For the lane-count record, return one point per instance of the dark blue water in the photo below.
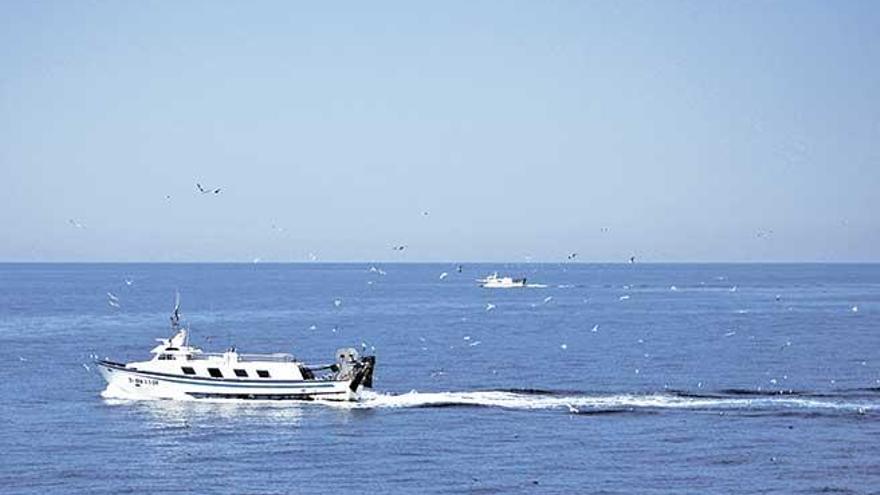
(771, 387)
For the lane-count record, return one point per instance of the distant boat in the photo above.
(495, 282)
(180, 371)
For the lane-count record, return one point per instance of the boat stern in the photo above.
(363, 376)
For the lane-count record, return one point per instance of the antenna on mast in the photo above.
(175, 315)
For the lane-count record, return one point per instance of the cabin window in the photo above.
(166, 357)
(241, 373)
(215, 372)
(188, 371)
(263, 373)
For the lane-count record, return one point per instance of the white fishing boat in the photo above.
(495, 282)
(180, 371)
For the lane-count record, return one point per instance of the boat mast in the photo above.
(175, 315)
(175, 319)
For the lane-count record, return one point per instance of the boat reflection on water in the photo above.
(171, 414)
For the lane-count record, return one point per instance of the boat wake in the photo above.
(853, 402)
(859, 402)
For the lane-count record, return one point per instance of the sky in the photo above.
(467, 131)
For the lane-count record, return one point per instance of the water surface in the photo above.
(641, 378)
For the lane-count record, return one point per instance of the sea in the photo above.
(595, 378)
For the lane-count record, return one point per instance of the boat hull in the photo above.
(503, 285)
(130, 383)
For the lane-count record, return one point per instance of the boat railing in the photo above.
(202, 356)
(277, 357)
(274, 358)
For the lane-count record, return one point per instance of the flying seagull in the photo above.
(207, 191)
(572, 256)
(76, 224)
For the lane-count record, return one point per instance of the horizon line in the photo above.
(438, 262)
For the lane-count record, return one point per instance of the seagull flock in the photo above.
(205, 190)
(114, 302)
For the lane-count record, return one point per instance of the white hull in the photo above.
(127, 383)
(503, 285)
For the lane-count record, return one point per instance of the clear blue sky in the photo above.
(673, 131)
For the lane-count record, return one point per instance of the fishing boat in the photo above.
(495, 282)
(181, 371)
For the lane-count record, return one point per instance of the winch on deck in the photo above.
(351, 366)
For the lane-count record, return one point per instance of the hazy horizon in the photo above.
(468, 132)
(437, 262)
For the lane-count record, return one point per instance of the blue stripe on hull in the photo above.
(310, 396)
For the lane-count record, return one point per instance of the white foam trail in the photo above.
(586, 403)
(537, 286)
